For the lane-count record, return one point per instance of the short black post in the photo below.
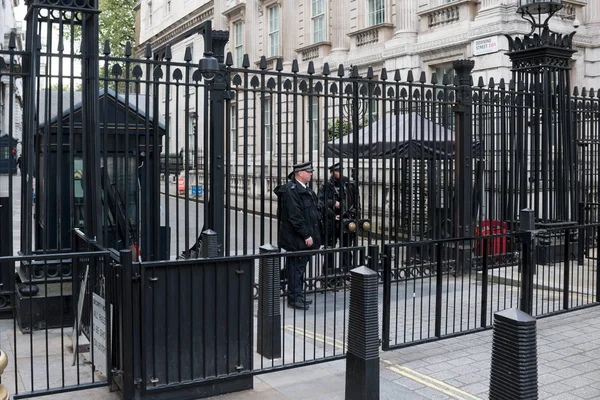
(362, 358)
(528, 261)
(514, 374)
(210, 244)
(269, 315)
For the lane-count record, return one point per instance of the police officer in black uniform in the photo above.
(339, 199)
(299, 228)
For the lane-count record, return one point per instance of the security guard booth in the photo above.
(126, 157)
(8, 154)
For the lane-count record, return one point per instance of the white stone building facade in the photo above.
(11, 89)
(418, 35)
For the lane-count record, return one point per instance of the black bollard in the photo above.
(209, 247)
(528, 260)
(362, 358)
(269, 315)
(513, 374)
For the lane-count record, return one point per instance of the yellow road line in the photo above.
(423, 379)
(430, 382)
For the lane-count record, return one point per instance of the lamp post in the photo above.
(216, 77)
(532, 11)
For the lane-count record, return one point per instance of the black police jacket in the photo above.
(343, 191)
(299, 217)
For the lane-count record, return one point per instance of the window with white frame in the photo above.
(445, 111)
(273, 17)
(376, 12)
(238, 42)
(150, 13)
(313, 117)
(234, 128)
(318, 20)
(267, 123)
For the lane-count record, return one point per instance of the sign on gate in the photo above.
(101, 332)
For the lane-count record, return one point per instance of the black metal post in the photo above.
(210, 244)
(387, 295)
(127, 318)
(362, 358)
(514, 374)
(214, 45)
(464, 162)
(528, 260)
(269, 310)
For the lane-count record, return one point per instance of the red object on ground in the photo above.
(495, 245)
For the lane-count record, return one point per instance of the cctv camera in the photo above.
(576, 23)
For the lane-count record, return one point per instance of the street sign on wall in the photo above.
(485, 45)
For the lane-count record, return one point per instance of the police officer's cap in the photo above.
(335, 167)
(303, 166)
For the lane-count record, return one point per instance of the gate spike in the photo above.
(295, 68)
(187, 57)
(263, 63)
(409, 77)
(229, 59)
(246, 61)
(168, 54)
(2, 64)
(422, 77)
(434, 80)
(480, 83)
(502, 85)
(279, 65)
(61, 45)
(12, 41)
(591, 92)
(38, 44)
(354, 73)
(511, 84)
(456, 81)
(397, 77)
(128, 51)
(148, 54)
(106, 47)
(445, 79)
(576, 91)
(370, 74)
(584, 92)
(521, 86)
(383, 76)
(341, 71)
(311, 68)
(326, 71)
(491, 84)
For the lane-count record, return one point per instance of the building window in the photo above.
(314, 121)
(234, 128)
(238, 30)
(273, 15)
(149, 13)
(318, 20)
(445, 111)
(376, 12)
(267, 122)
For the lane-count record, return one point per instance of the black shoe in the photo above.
(307, 301)
(299, 304)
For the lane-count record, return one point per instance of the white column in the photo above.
(340, 26)
(591, 12)
(406, 19)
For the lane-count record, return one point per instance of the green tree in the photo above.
(117, 25)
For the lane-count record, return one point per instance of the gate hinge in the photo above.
(137, 382)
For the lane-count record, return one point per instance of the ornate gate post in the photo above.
(464, 162)
(216, 75)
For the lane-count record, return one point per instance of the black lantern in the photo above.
(532, 11)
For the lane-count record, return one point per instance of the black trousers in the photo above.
(345, 239)
(295, 266)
